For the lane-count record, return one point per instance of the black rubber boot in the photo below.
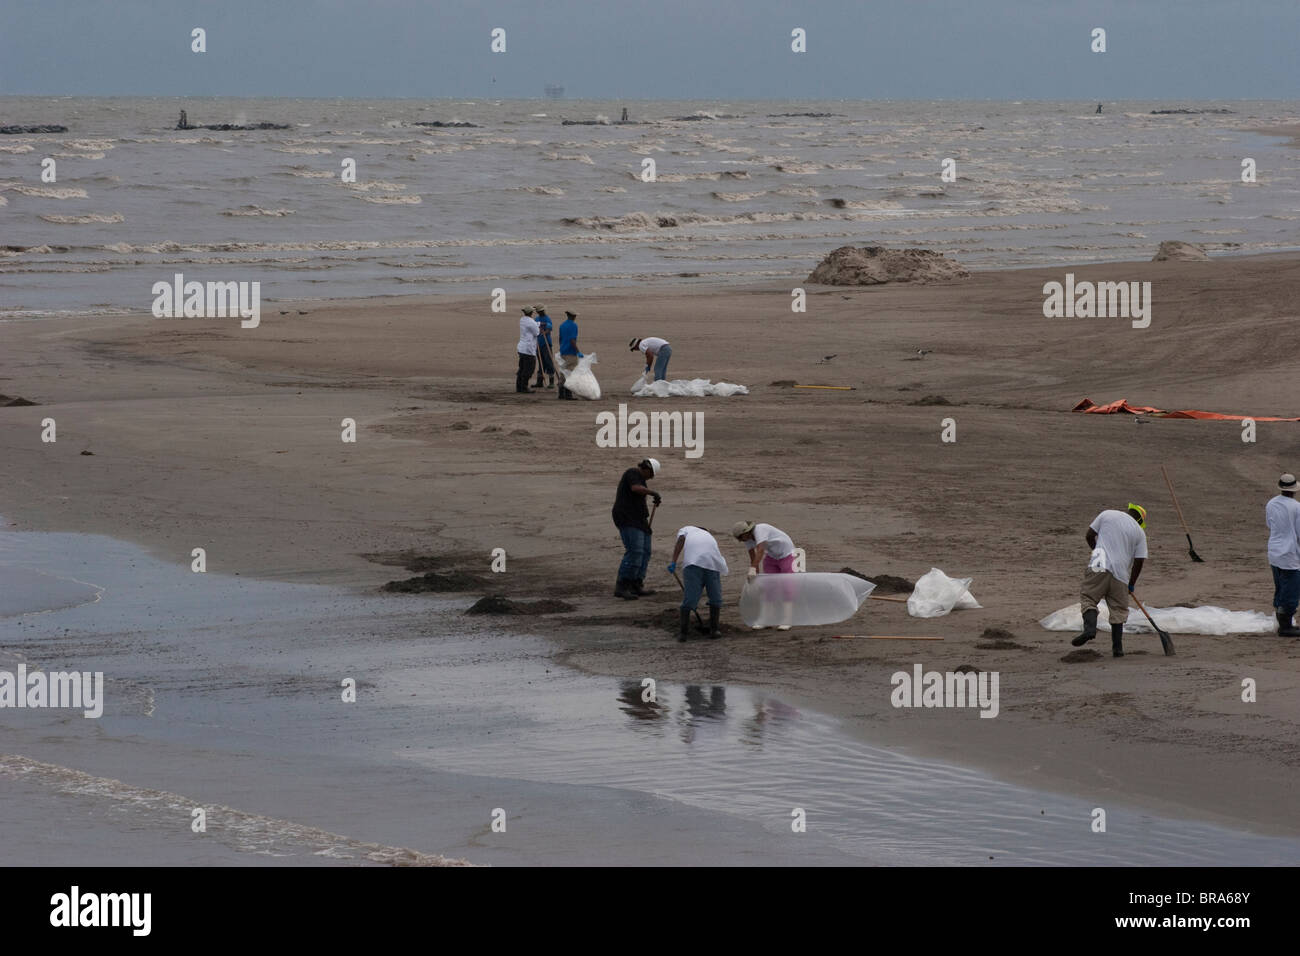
(639, 588)
(1284, 626)
(1117, 640)
(685, 625)
(624, 589)
(1089, 628)
(714, 613)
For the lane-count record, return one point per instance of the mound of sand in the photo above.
(1176, 249)
(502, 605)
(874, 265)
(885, 583)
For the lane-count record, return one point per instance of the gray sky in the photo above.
(628, 49)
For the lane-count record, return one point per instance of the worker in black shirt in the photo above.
(632, 518)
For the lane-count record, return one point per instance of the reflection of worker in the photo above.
(772, 552)
(1119, 548)
(657, 353)
(702, 568)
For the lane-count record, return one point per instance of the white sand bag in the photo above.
(936, 594)
(686, 388)
(1206, 619)
(581, 381)
(770, 600)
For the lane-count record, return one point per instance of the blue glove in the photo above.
(672, 568)
(1130, 589)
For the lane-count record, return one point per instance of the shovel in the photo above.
(1166, 641)
(1191, 551)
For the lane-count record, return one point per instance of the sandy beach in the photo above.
(203, 434)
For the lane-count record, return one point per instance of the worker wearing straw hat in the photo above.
(772, 552)
(1282, 514)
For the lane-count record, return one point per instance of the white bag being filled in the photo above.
(1206, 619)
(936, 594)
(581, 381)
(770, 600)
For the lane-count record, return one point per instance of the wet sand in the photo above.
(207, 435)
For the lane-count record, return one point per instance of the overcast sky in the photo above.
(715, 50)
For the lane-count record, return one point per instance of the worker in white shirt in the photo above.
(1119, 549)
(771, 551)
(702, 568)
(527, 349)
(657, 353)
(1282, 513)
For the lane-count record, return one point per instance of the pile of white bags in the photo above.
(686, 388)
(1206, 619)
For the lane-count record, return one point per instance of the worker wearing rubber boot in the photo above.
(702, 568)
(770, 552)
(1118, 541)
(632, 518)
(1282, 513)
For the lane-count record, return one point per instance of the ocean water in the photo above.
(742, 192)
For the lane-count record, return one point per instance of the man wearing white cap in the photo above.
(702, 568)
(527, 349)
(657, 353)
(632, 518)
(1282, 513)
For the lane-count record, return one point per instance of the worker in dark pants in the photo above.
(632, 518)
(1283, 516)
(702, 568)
(545, 362)
(527, 349)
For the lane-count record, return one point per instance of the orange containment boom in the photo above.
(1123, 407)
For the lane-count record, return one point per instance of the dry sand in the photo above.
(206, 434)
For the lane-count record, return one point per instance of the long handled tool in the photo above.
(885, 637)
(1191, 551)
(1166, 641)
(886, 597)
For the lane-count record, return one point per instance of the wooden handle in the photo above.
(1181, 519)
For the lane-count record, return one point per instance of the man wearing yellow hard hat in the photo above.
(1118, 540)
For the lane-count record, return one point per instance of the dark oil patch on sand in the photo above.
(1000, 639)
(1081, 657)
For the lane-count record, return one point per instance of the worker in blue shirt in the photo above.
(544, 361)
(569, 351)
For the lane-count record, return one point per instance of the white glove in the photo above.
(753, 573)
